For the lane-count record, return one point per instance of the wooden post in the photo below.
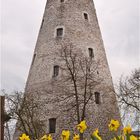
(2, 98)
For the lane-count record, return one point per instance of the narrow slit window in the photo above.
(52, 125)
(59, 32)
(97, 97)
(33, 59)
(86, 16)
(90, 50)
(42, 23)
(56, 71)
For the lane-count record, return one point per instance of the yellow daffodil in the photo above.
(120, 138)
(45, 137)
(82, 126)
(65, 135)
(132, 137)
(76, 137)
(127, 130)
(96, 134)
(49, 137)
(114, 125)
(24, 137)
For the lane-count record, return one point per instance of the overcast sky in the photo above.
(21, 19)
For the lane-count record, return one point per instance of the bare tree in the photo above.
(74, 89)
(7, 133)
(129, 96)
(24, 109)
(78, 81)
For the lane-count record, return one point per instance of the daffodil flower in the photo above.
(119, 137)
(65, 135)
(45, 137)
(127, 130)
(24, 137)
(114, 125)
(95, 134)
(82, 126)
(76, 137)
(132, 137)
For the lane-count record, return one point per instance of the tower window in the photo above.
(56, 71)
(42, 23)
(33, 59)
(61, 0)
(86, 16)
(52, 125)
(90, 50)
(59, 32)
(97, 97)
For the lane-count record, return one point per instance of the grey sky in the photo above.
(21, 19)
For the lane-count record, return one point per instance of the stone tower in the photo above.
(75, 22)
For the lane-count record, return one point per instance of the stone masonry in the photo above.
(80, 27)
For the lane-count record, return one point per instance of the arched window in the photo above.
(85, 16)
(90, 51)
(52, 125)
(55, 70)
(97, 97)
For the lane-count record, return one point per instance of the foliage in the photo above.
(129, 94)
(25, 110)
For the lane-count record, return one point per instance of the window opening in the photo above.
(59, 32)
(90, 52)
(86, 16)
(52, 125)
(33, 59)
(97, 97)
(61, 0)
(42, 23)
(56, 71)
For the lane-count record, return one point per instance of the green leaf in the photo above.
(117, 138)
(127, 137)
(94, 138)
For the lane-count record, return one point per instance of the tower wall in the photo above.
(83, 34)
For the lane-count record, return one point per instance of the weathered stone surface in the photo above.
(83, 34)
